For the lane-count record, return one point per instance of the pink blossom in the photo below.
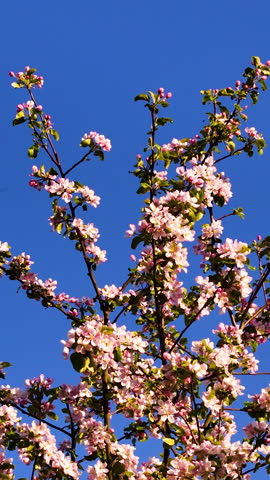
(235, 250)
(98, 471)
(4, 247)
(100, 140)
(252, 132)
(131, 231)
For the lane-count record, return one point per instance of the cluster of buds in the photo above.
(39, 381)
(32, 110)
(27, 79)
(162, 93)
(29, 106)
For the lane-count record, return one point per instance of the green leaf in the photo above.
(264, 252)
(20, 118)
(91, 457)
(254, 97)
(16, 85)
(54, 133)
(265, 241)
(107, 330)
(52, 415)
(79, 362)
(99, 153)
(219, 200)
(5, 364)
(59, 228)
(164, 104)
(143, 188)
(240, 212)
(118, 468)
(86, 142)
(256, 61)
(169, 441)
(231, 146)
(52, 171)
(117, 354)
(163, 120)
(153, 96)
(135, 241)
(33, 150)
(141, 96)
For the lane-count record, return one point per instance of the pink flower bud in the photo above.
(169, 95)
(161, 90)
(35, 184)
(268, 63)
(11, 74)
(237, 83)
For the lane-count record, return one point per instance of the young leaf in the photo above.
(79, 362)
(163, 120)
(169, 441)
(141, 96)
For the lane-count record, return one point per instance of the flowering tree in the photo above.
(165, 384)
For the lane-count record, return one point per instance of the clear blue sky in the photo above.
(95, 57)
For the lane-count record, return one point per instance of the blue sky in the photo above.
(95, 57)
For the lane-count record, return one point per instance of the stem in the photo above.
(120, 313)
(234, 409)
(215, 141)
(166, 450)
(106, 421)
(160, 321)
(260, 310)
(57, 160)
(32, 415)
(208, 301)
(78, 163)
(253, 296)
(196, 416)
(34, 467)
(261, 271)
(73, 435)
(230, 154)
(251, 373)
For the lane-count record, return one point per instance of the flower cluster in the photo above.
(27, 79)
(205, 178)
(98, 139)
(64, 189)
